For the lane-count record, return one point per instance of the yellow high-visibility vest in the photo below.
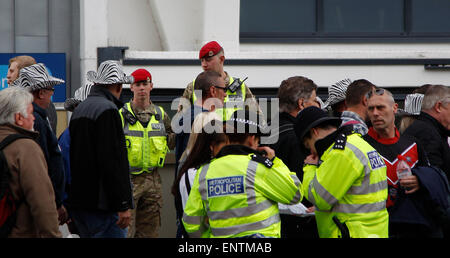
(349, 188)
(147, 147)
(233, 102)
(239, 195)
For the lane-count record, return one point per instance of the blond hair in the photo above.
(23, 61)
(199, 123)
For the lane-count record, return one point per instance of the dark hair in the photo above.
(422, 89)
(356, 91)
(201, 152)
(293, 89)
(324, 126)
(204, 81)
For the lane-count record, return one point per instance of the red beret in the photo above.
(141, 75)
(210, 49)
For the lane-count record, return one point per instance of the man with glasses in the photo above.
(212, 57)
(405, 220)
(37, 80)
(210, 93)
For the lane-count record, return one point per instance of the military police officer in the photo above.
(212, 57)
(148, 137)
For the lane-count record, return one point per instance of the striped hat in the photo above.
(413, 103)
(36, 77)
(109, 72)
(337, 92)
(80, 95)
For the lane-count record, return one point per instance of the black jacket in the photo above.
(433, 137)
(287, 148)
(98, 155)
(49, 144)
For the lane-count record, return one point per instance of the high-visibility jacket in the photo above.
(233, 102)
(349, 189)
(147, 147)
(239, 193)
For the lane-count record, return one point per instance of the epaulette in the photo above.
(263, 160)
(341, 141)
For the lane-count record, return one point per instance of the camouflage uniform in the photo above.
(253, 104)
(147, 189)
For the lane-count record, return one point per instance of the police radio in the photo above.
(237, 83)
(129, 117)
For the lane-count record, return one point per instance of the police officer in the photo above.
(212, 57)
(344, 177)
(148, 137)
(239, 190)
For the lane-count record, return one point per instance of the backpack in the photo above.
(8, 205)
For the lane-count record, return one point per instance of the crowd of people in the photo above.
(329, 169)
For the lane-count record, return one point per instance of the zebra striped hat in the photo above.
(337, 92)
(413, 103)
(80, 95)
(109, 72)
(36, 77)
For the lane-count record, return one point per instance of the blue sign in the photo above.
(375, 160)
(225, 186)
(55, 63)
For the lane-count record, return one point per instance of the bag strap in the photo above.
(10, 139)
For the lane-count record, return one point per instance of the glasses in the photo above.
(378, 92)
(222, 88)
(50, 89)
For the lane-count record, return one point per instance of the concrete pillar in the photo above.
(93, 33)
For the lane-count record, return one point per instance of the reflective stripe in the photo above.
(139, 169)
(250, 182)
(323, 193)
(202, 183)
(194, 220)
(156, 133)
(240, 212)
(233, 230)
(298, 194)
(310, 194)
(360, 208)
(133, 133)
(365, 187)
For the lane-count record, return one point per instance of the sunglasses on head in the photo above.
(377, 91)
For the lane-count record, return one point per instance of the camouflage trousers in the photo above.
(147, 195)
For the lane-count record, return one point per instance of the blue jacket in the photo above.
(182, 131)
(49, 144)
(430, 206)
(64, 143)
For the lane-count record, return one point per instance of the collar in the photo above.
(235, 150)
(16, 129)
(42, 112)
(353, 115)
(323, 144)
(100, 91)
(387, 141)
(427, 118)
(286, 117)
